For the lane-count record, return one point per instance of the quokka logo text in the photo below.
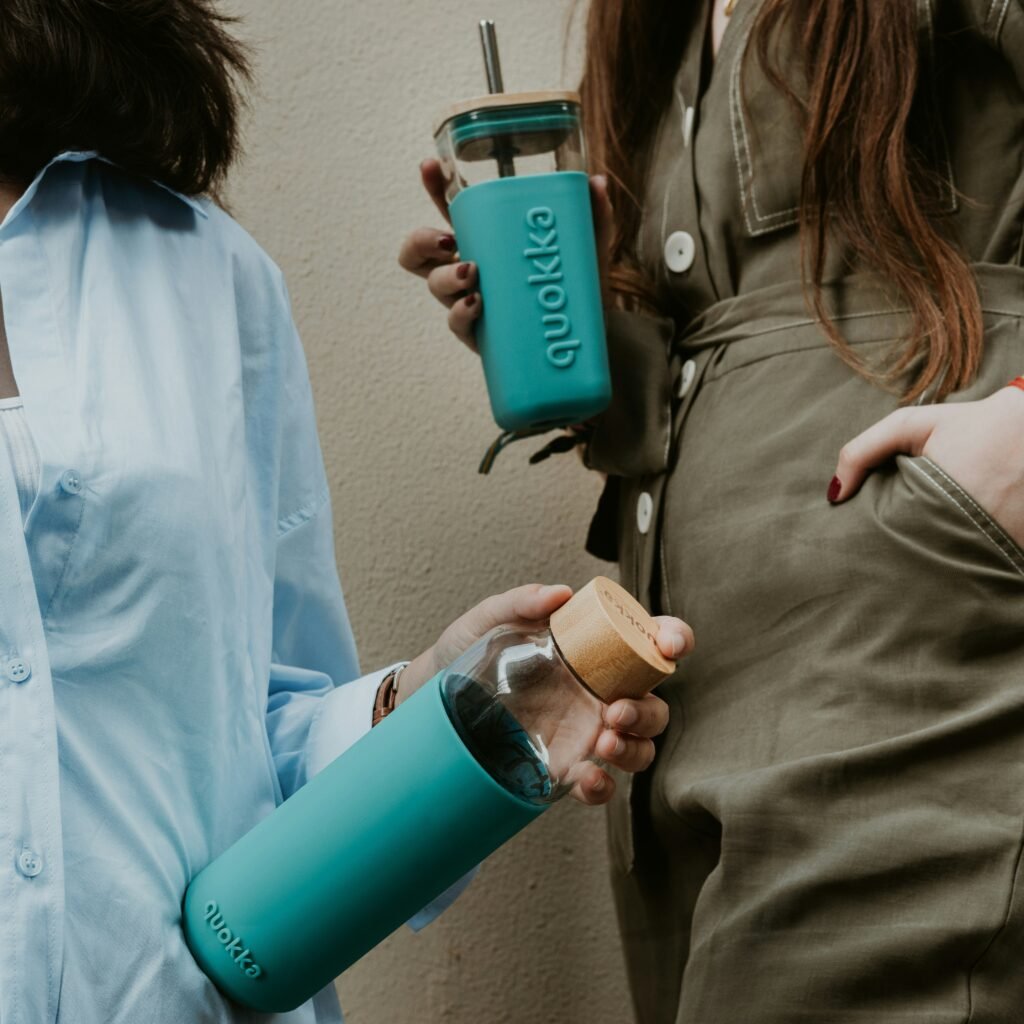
(232, 943)
(545, 259)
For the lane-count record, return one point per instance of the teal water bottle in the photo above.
(519, 198)
(455, 771)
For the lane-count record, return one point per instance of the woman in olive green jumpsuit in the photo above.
(832, 828)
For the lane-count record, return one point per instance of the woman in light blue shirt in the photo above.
(175, 655)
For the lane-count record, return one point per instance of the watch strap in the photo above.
(387, 696)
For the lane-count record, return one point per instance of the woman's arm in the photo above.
(318, 704)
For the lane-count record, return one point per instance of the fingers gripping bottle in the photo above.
(455, 771)
(519, 199)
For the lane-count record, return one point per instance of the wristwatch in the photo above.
(387, 696)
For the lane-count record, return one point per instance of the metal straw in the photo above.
(489, 41)
(492, 62)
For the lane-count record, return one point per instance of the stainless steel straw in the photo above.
(492, 62)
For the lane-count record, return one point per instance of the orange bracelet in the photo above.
(1017, 382)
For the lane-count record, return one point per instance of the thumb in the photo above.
(905, 430)
(433, 181)
(521, 606)
(532, 603)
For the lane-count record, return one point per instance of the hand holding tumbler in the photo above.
(455, 771)
(519, 201)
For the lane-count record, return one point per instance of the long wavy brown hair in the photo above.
(864, 179)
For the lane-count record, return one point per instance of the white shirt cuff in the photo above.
(344, 716)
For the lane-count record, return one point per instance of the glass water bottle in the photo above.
(528, 702)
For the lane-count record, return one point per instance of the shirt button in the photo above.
(688, 125)
(644, 509)
(70, 482)
(17, 670)
(689, 371)
(679, 252)
(30, 863)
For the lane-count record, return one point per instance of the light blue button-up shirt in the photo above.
(172, 629)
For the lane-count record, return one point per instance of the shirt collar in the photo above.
(80, 156)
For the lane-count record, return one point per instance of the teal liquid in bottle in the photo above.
(499, 743)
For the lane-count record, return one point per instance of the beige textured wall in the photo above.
(347, 95)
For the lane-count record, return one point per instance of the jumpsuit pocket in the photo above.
(970, 538)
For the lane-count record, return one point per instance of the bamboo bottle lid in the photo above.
(608, 640)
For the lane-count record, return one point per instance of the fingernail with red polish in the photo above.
(446, 242)
(834, 488)
(471, 300)
(462, 271)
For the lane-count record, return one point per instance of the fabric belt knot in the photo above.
(634, 436)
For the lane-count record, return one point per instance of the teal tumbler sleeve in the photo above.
(348, 858)
(541, 333)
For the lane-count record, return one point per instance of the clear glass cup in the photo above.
(507, 136)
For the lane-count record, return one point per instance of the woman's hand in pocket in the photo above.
(979, 444)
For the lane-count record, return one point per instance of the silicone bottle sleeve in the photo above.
(346, 860)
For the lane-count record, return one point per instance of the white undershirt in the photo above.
(21, 451)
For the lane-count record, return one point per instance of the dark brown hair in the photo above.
(863, 178)
(153, 85)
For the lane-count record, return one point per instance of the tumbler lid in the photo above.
(499, 100)
(608, 639)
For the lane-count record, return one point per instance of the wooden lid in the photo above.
(506, 99)
(608, 640)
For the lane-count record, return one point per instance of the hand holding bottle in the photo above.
(480, 751)
(626, 742)
(431, 253)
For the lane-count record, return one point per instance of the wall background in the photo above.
(347, 95)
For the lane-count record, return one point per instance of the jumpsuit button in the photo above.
(17, 670)
(70, 482)
(689, 371)
(680, 250)
(29, 863)
(644, 510)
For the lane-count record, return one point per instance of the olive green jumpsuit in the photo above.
(832, 829)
